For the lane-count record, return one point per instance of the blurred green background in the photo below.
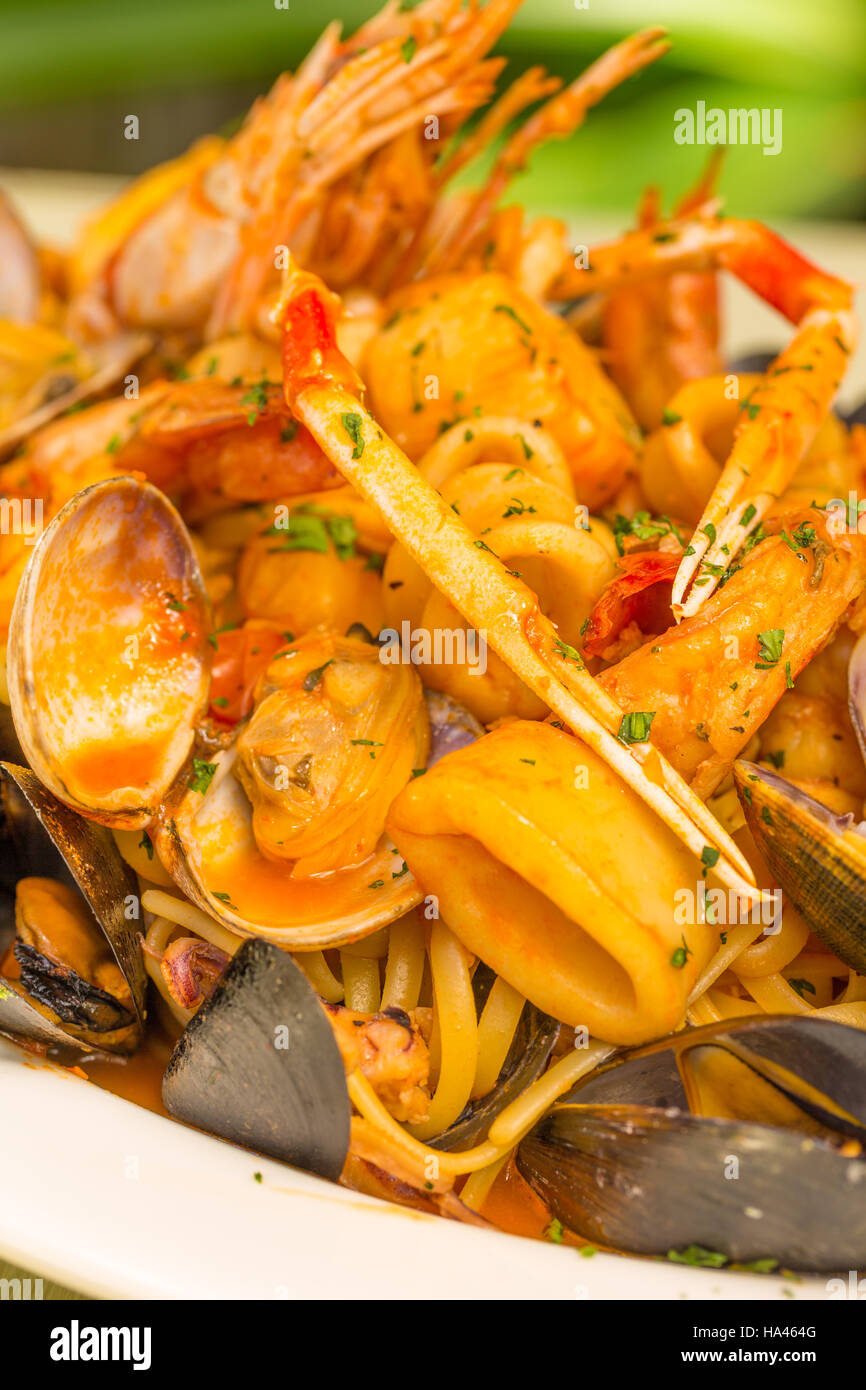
(70, 70)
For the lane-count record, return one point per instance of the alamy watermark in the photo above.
(727, 909)
(22, 516)
(737, 126)
(440, 646)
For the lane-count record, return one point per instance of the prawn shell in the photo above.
(817, 858)
(234, 1074)
(80, 850)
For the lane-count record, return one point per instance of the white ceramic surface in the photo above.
(121, 1203)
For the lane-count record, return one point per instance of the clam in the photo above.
(74, 977)
(818, 858)
(768, 1168)
(20, 272)
(451, 725)
(109, 682)
(259, 1065)
(108, 652)
(64, 384)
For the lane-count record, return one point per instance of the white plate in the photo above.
(121, 1203)
(118, 1202)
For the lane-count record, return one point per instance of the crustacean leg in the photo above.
(782, 415)
(560, 116)
(323, 390)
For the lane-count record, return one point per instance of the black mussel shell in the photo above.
(48, 839)
(757, 361)
(71, 998)
(621, 1161)
(259, 1065)
(817, 1063)
(653, 1181)
(527, 1057)
(817, 857)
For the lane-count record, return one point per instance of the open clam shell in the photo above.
(259, 1065)
(817, 857)
(622, 1162)
(59, 389)
(207, 845)
(59, 1009)
(108, 653)
(206, 842)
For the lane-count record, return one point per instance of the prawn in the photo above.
(781, 416)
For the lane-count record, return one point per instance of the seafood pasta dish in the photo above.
(434, 702)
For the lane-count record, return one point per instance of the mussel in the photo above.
(259, 1065)
(817, 857)
(744, 1138)
(73, 977)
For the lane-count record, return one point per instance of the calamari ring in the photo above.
(530, 525)
(682, 460)
(497, 439)
(529, 825)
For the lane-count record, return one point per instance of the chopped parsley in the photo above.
(681, 955)
(212, 637)
(769, 648)
(311, 528)
(802, 987)
(644, 527)
(257, 397)
(567, 652)
(512, 313)
(203, 775)
(353, 425)
(698, 1255)
(635, 726)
